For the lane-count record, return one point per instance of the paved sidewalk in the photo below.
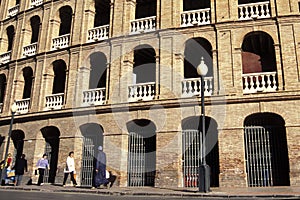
(274, 192)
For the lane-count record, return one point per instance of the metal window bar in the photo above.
(136, 160)
(87, 162)
(192, 156)
(48, 150)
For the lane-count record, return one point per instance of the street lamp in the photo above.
(13, 110)
(204, 169)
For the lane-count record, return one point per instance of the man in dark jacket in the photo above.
(100, 175)
(21, 165)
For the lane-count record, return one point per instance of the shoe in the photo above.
(42, 183)
(64, 185)
(93, 188)
(74, 185)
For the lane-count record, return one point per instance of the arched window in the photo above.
(59, 68)
(35, 28)
(266, 152)
(10, 36)
(65, 14)
(102, 15)
(145, 8)
(98, 72)
(17, 137)
(28, 76)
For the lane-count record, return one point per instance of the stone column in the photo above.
(178, 74)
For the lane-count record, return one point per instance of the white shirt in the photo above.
(71, 165)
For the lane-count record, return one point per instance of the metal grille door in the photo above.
(136, 160)
(192, 159)
(48, 150)
(88, 158)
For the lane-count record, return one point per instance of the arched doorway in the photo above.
(17, 137)
(191, 146)
(141, 153)
(51, 135)
(92, 138)
(266, 153)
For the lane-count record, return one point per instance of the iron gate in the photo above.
(87, 163)
(48, 150)
(258, 156)
(136, 160)
(191, 143)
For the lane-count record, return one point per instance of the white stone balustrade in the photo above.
(143, 25)
(23, 106)
(192, 87)
(98, 33)
(254, 10)
(54, 101)
(5, 57)
(13, 11)
(36, 3)
(61, 42)
(259, 82)
(30, 50)
(195, 17)
(94, 97)
(141, 92)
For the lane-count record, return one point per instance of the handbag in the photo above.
(11, 173)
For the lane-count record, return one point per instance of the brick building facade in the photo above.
(122, 74)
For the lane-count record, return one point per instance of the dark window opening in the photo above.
(195, 49)
(144, 64)
(59, 68)
(102, 15)
(195, 5)
(248, 1)
(145, 8)
(28, 76)
(35, 28)
(98, 72)
(2, 87)
(17, 2)
(17, 137)
(258, 53)
(65, 14)
(10, 36)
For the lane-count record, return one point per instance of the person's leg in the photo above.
(72, 178)
(65, 178)
(19, 179)
(16, 180)
(41, 176)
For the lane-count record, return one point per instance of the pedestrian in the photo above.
(20, 166)
(100, 171)
(70, 169)
(42, 165)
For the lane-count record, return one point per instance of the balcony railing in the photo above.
(195, 17)
(254, 10)
(23, 106)
(141, 92)
(259, 82)
(143, 25)
(61, 42)
(5, 57)
(192, 87)
(13, 11)
(30, 50)
(94, 97)
(36, 3)
(54, 101)
(98, 33)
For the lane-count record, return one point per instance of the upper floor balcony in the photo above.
(98, 33)
(60, 42)
(93, 97)
(30, 50)
(142, 25)
(13, 11)
(259, 82)
(34, 3)
(192, 87)
(23, 106)
(254, 10)
(195, 17)
(54, 101)
(141, 92)
(5, 57)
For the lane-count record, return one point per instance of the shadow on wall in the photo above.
(1, 140)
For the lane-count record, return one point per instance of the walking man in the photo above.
(21, 165)
(100, 171)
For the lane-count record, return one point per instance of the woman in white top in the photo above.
(70, 169)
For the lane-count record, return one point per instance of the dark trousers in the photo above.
(41, 176)
(72, 178)
(100, 178)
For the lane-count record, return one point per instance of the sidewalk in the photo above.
(274, 192)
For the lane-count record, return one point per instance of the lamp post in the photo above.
(204, 169)
(13, 110)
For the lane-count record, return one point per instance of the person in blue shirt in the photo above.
(42, 165)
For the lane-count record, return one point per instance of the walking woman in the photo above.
(42, 164)
(70, 169)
